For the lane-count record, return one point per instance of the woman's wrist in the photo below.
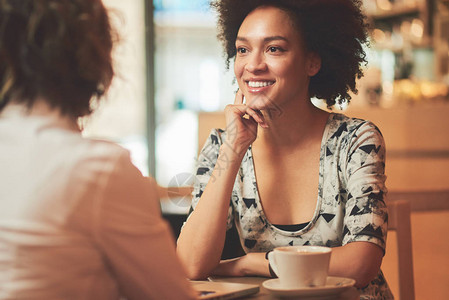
(254, 264)
(251, 264)
(231, 153)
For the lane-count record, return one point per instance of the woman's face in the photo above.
(272, 66)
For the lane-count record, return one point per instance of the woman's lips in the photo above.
(255, 86)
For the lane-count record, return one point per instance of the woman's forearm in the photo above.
(357, 260)
(251, 264)
(202, 238)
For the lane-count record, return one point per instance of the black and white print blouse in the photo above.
(351, 190)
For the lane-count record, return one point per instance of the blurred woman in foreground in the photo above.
(77, 219)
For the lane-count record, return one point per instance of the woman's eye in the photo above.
(241, 50)
(274, 49)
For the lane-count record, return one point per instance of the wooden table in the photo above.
(264, 294)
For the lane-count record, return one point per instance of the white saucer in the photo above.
(334, 286)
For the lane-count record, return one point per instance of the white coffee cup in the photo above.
(300, 266)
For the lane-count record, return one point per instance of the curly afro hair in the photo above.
(59, 50)
(334, 29)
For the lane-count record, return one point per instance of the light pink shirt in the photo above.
(77, 219)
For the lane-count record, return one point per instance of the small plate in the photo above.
(334, 286)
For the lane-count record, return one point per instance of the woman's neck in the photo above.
(292, 126)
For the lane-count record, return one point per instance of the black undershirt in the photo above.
(291, 227)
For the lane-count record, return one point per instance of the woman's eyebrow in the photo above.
(266, 39)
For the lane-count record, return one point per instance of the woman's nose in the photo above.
(256, 63)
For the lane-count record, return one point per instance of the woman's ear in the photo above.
(313, 64)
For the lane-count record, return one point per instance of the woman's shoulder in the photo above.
(103, 150)
(94, 157)
(343, 125)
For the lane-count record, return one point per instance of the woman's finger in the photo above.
(257, 117)
(239, 109)
(245, 112)
(234, 112)
(238, 97)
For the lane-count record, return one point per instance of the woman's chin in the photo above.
(259, 103)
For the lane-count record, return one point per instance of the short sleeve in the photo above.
(366, 212)
(207, 161)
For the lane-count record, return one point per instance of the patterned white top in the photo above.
(351, 190)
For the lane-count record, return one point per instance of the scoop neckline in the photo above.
(316, 213)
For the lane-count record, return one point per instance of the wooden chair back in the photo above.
(399, 221)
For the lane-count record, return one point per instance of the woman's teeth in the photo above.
(257, 84)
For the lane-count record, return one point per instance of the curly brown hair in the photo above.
(334, 29)
(58, 50)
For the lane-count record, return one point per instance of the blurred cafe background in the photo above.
(172, 85)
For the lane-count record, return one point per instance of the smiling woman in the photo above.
(284, 172)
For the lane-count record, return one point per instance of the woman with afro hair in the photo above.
(284, 172)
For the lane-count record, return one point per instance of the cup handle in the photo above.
(272, 261)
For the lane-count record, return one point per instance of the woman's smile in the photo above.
(255, 86)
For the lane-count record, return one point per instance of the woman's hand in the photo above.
(251, 264)
(241, 124)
